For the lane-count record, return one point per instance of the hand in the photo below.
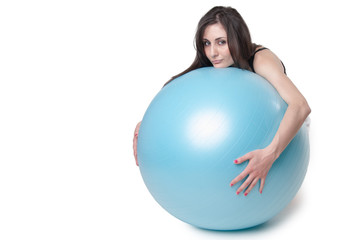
(135, 140)
(260, 162)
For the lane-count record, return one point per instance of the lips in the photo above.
(217, 61)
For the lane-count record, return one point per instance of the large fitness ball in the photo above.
(195, 128)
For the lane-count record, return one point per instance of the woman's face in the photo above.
(216, 46)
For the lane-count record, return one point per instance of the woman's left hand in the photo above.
(260, 162)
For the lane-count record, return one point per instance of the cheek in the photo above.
(206, 51)
(227, 52)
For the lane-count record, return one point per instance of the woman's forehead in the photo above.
(214, 31)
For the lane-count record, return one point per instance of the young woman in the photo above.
(223, 40)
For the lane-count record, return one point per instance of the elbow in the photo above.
(302, 107)
(306, 108)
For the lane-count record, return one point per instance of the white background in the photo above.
(76, 77)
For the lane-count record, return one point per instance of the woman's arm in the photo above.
(268, 65)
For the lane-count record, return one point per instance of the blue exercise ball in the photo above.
(195, 128)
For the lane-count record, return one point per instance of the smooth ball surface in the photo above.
(195, 128)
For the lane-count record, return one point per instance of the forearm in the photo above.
(292, 121)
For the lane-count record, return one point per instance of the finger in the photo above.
(244, 158)
(137, 128)
(252, 185)
(244, 185)
(240, 177)
(262, 183)
(134, 144)
(136, 156)
(135, 140)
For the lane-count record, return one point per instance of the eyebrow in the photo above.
(215, 38)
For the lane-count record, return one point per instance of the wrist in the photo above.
(274, 148)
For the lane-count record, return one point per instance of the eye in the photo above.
(206, 43)
(222, 42)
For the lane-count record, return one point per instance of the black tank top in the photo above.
(251, 60)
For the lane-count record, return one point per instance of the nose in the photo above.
(213, 51)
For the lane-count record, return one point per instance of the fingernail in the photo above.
(237, 193)
(236, 161)
(261, 191)
(231, 184)
(245, 194)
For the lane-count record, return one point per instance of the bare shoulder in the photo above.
(267, 63)
(269, 66)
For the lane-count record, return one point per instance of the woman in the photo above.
(223, 40)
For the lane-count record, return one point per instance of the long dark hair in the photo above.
(238, 34)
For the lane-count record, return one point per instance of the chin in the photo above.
(220, 66)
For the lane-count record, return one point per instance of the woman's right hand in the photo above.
(135, 140)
